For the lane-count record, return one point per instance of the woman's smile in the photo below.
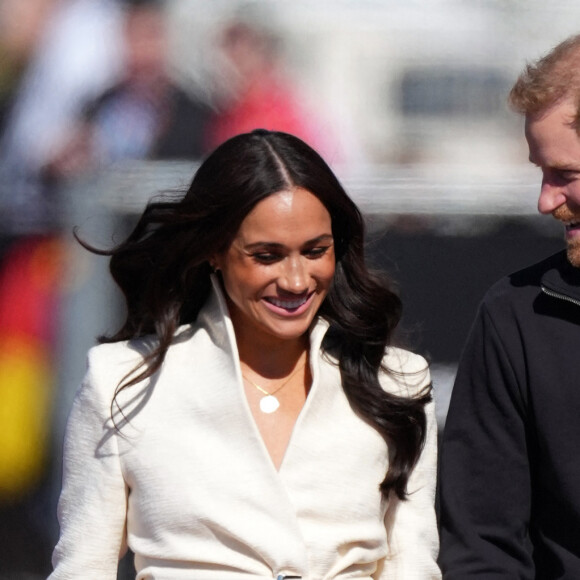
(289, 306)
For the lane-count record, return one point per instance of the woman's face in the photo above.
(279, 267)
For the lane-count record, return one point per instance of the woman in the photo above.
(250, 419)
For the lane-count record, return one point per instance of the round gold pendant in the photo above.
(269, 404)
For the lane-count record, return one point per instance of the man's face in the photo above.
(555, 148)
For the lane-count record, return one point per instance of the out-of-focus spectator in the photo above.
(260, 93)
(29, 293)
(28, 290)
(50, 60)
(21, 27)
(143, 116)
(76, 56)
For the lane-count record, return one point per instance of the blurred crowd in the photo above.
(89, 84)
(86, 86)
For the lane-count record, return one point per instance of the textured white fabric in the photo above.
(188, 482)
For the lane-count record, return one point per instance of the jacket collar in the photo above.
(562, 279)
(215, 318)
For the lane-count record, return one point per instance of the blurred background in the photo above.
(105, 103)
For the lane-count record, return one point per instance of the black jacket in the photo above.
(510, 460)
(182, 121)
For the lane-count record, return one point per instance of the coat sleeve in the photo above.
(411, 524)
(485, 488)
(93, 502)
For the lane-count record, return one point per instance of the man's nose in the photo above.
(552, 196)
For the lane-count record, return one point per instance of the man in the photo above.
(143, 115)
(510, 470)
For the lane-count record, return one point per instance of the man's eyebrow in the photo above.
(558, 166)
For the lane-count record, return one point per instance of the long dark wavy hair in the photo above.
(163, 270)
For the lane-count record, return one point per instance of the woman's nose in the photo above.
(294, 277)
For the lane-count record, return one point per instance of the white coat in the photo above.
(187, 482)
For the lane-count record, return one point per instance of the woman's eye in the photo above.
(265, 257)
(316, 252)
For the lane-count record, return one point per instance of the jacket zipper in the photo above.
(560, 296)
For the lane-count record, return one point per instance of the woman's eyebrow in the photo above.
(257, 245)
(322, 238)
(277, 245)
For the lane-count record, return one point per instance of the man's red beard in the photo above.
(566, 215)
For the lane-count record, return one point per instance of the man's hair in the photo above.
(552, 78)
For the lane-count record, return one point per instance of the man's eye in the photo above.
(568, 175)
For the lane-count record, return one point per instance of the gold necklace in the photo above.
(269, 403)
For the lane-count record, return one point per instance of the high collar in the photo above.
(562, 278)
(215, 317)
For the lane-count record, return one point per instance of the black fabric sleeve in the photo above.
(485, 489)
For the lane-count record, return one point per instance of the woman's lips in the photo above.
(288, 306)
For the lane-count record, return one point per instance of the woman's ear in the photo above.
(214, 264)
